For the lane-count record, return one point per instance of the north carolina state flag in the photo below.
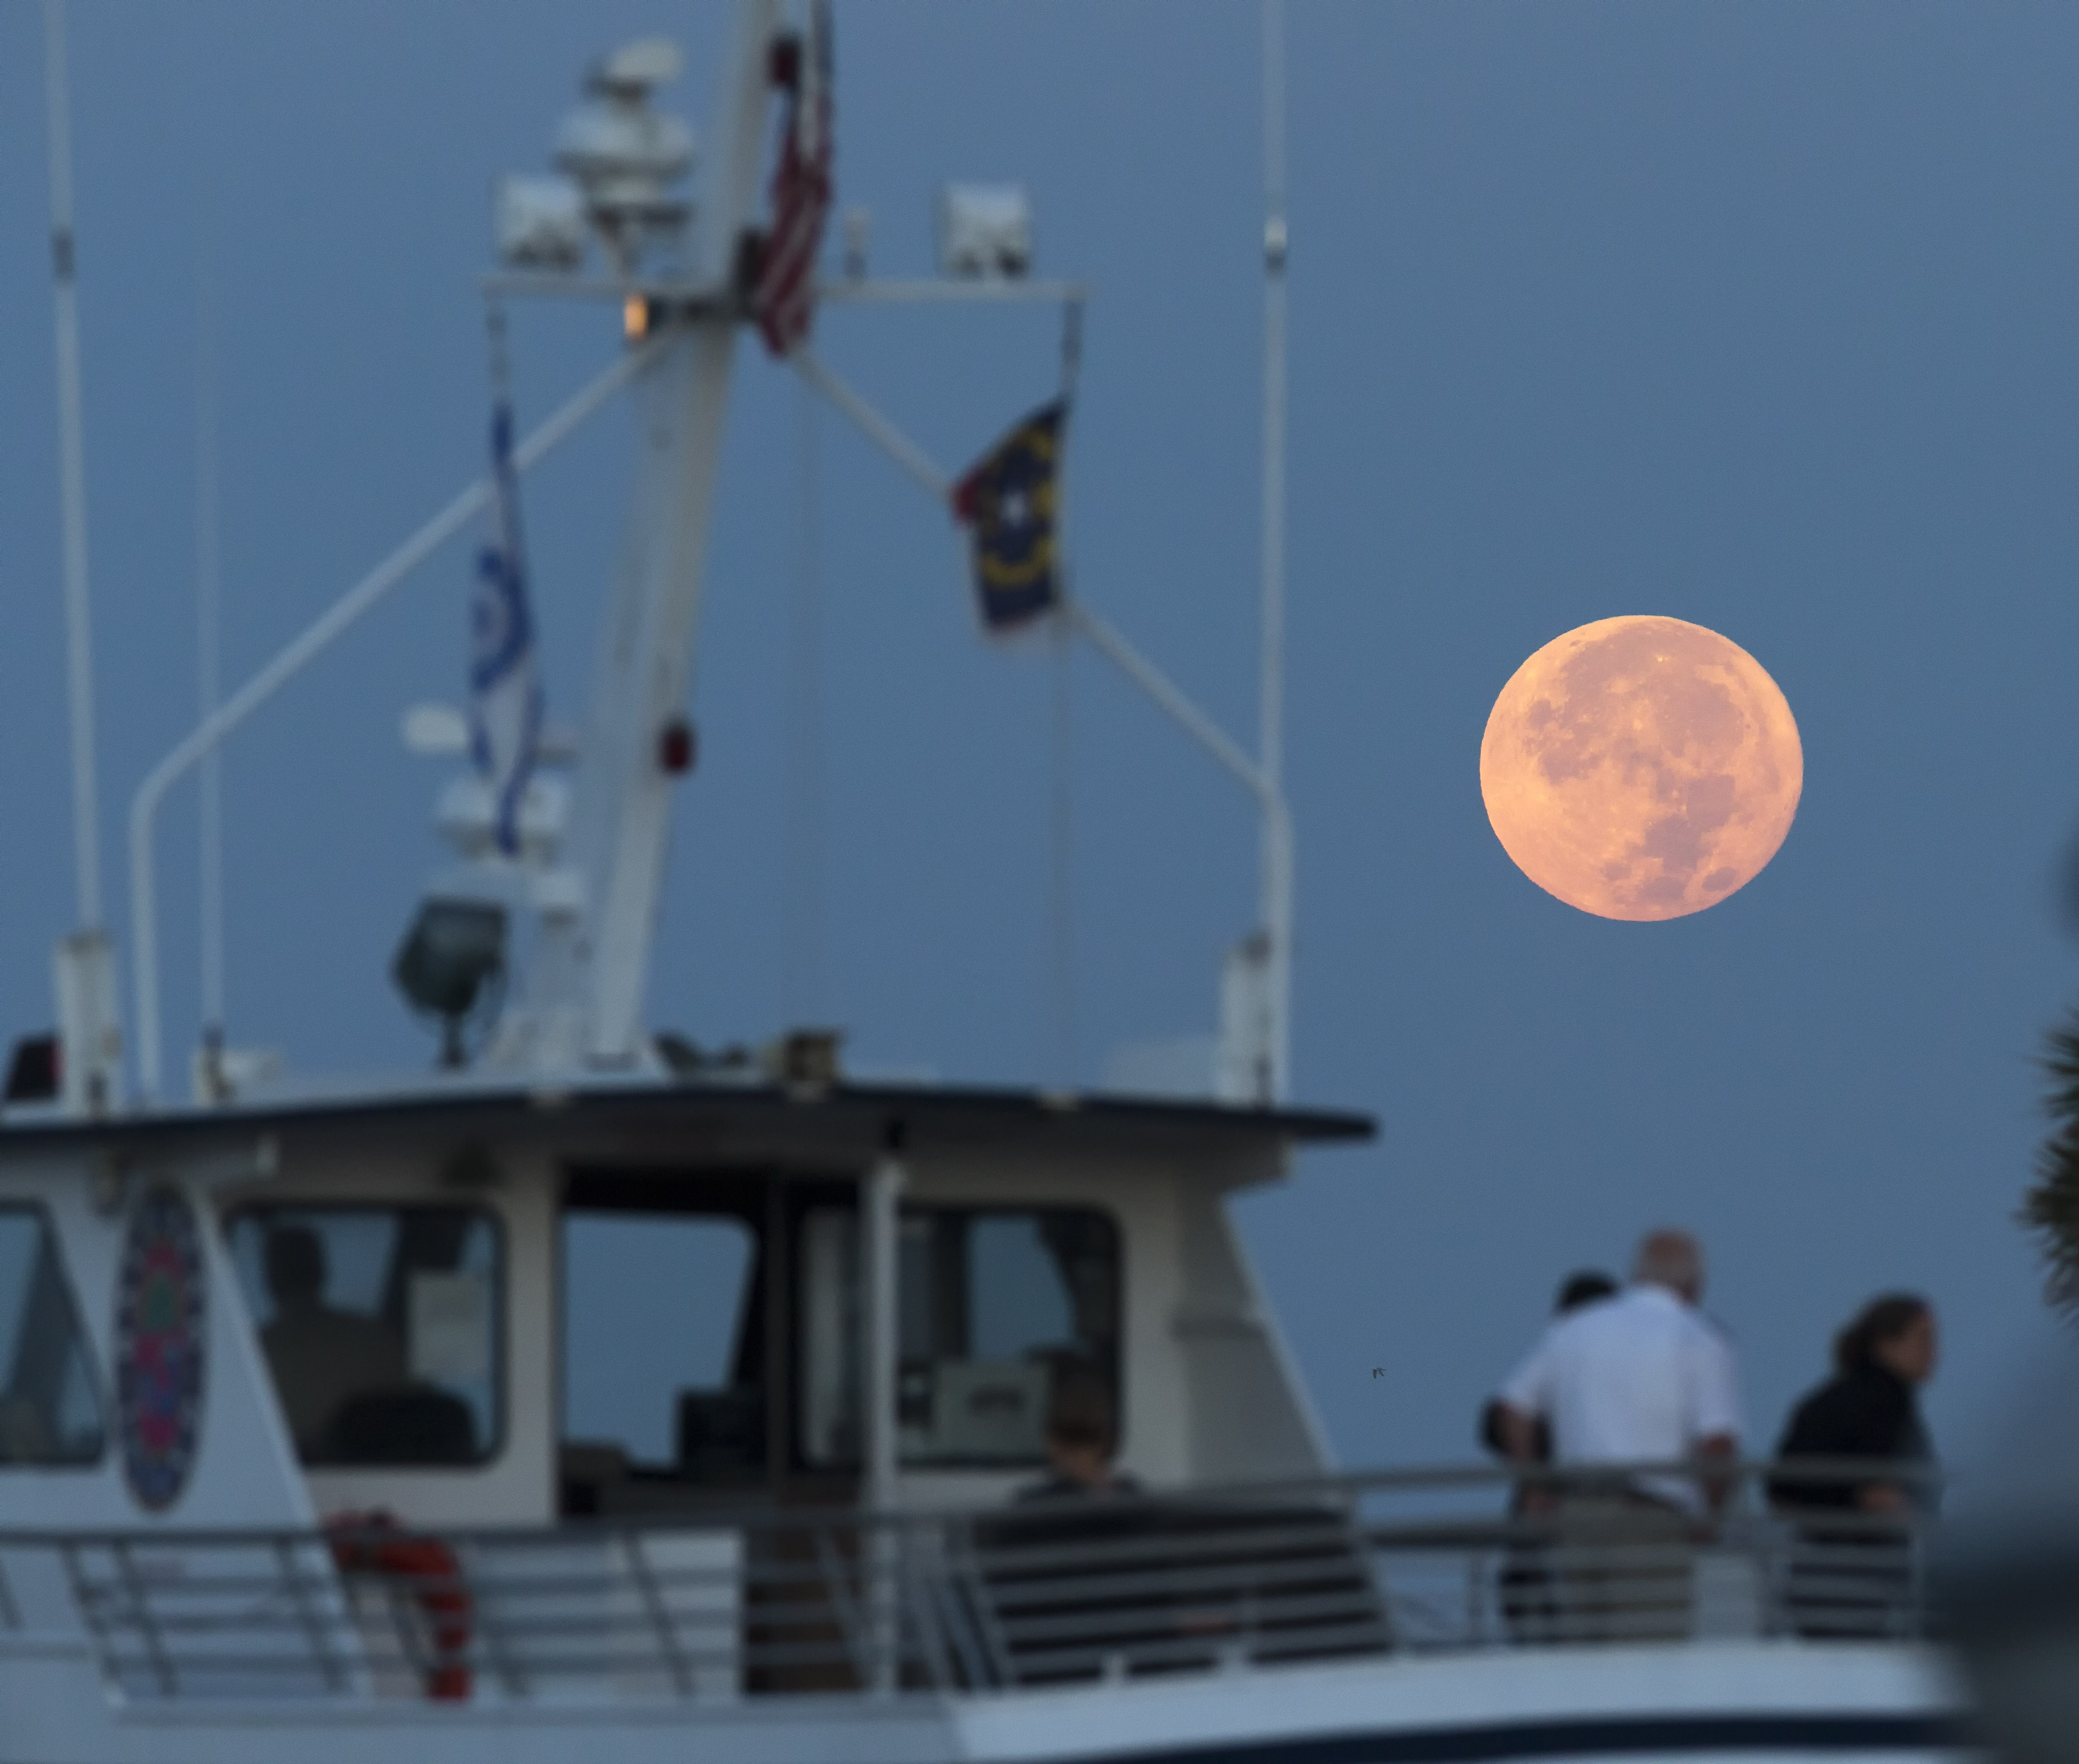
(1010, 501)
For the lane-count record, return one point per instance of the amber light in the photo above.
(635, 318)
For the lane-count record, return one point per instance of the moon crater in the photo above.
(1641, 768)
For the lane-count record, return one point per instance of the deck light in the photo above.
(33, 1071)
(450, 964)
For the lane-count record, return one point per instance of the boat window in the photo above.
(992, 1303)
(656, 1311)
(50, 1409)
(380, 1324)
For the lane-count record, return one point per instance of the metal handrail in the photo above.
(1326, 1489)
(1044, 1592)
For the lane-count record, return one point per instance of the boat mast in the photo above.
(90, 1040)
(583, 1004)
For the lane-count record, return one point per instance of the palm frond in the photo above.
(2050, 1209)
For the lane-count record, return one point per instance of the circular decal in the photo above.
(159, 1348)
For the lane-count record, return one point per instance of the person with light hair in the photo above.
(1641, 1379)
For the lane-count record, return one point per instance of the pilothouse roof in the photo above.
(838, 1122)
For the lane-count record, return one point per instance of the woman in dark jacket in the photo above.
(1870, 1408)
(1852, 1579)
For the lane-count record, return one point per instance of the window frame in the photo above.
(52, 1241)
(501, 1431)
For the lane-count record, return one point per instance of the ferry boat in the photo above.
(315, 1434)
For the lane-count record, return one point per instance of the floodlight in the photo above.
(985, 231)
(539, 223)
(451, 963)
(33, 1070)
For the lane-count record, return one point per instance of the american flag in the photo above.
(783, 299)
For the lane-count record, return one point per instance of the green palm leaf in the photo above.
(2050, 1210)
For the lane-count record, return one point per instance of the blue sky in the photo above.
(1758, 315)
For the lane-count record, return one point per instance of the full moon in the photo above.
(1641, 768)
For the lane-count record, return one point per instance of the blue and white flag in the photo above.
(504, 689)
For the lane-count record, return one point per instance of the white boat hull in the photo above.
(1693, 1701)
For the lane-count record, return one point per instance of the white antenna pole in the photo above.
(1277, 902)
(72, 479)
(91, 1044)
(208, 590)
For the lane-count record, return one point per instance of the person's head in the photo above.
(1895, 1332)
(1672, 1260)
(1590, 1286)
(295, 1267)
(1082, 1426)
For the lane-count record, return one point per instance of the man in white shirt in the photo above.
(1639, 1378)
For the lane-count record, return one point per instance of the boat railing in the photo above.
(1044, 1592)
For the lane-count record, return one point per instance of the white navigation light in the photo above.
(539, 223)
(626, 157)
(985, 231)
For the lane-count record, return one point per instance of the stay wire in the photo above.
(803, 892)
